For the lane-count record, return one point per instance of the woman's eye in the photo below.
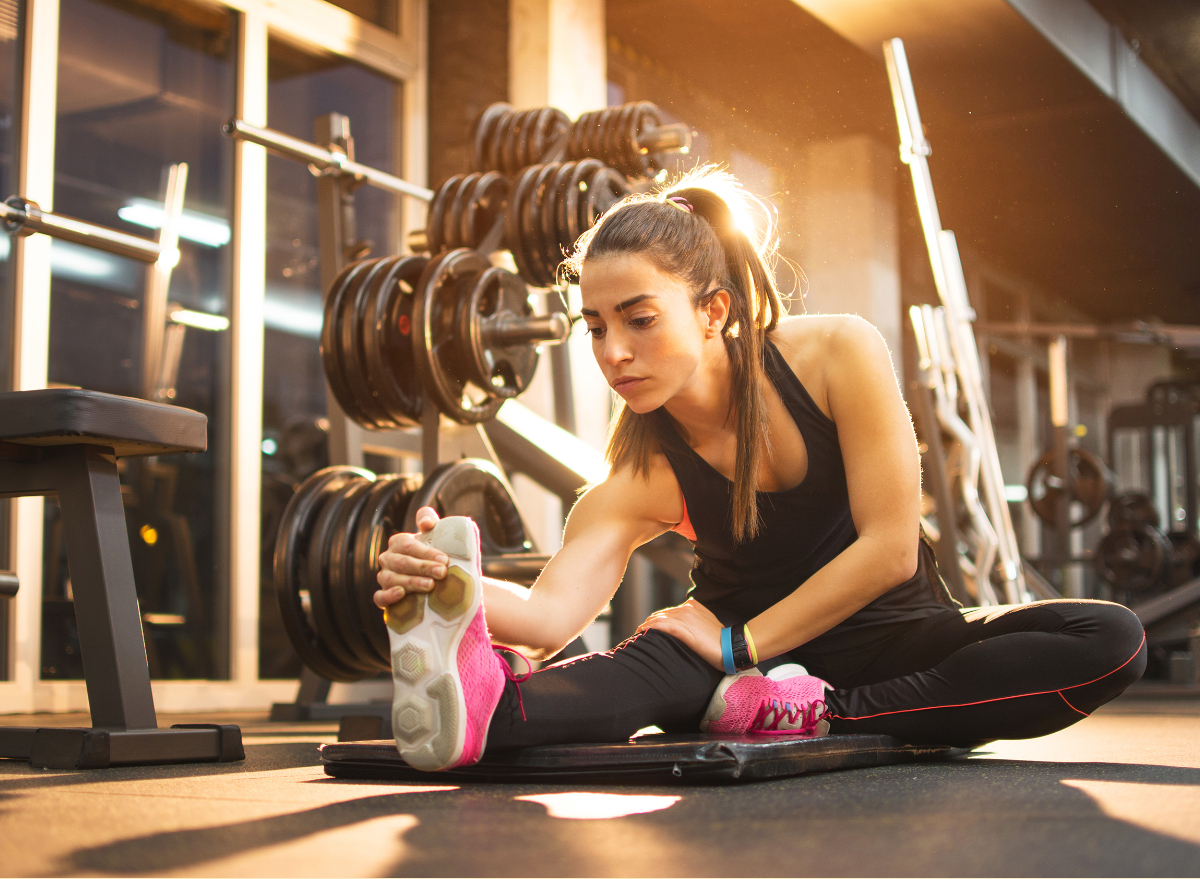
(596, 332)
(642, 323)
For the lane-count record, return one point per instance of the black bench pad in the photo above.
(649, 759)
(64, 416)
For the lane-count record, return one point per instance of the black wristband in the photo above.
(742, 659)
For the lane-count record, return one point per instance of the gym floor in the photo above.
(1116, 794)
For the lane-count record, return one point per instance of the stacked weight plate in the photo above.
(330, 537)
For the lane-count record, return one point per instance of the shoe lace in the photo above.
(512, 675)
(799, 718)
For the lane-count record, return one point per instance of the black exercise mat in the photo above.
(649, 759)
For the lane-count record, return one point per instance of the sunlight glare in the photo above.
(583, 806)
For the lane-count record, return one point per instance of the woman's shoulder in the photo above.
(807, 340)
(816, 345)
(816, 334)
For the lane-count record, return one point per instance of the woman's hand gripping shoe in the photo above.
(447, 677)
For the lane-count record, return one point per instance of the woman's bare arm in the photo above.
(605, 526)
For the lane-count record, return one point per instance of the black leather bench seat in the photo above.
(132, 427)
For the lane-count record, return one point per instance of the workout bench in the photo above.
(67, 442)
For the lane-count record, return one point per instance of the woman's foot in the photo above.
(735, 703)
(748, 703)
(446, 675)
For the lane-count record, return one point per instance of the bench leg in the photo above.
(125, 730)
(106, 606)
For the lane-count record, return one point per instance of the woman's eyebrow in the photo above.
(632, 300)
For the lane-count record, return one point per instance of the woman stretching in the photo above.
(782, 448)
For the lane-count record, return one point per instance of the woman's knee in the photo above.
(1119, 641)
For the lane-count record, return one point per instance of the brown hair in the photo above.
(699, 229)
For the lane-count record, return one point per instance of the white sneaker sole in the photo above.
(429, 712)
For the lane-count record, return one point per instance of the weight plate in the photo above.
(290, 568)
(577, 190)
(442, 285)
(484, 132)
(476, 488)
(550, 228)
(388, 342)
(452, 230)
(1090, 485)
(348, 349)
(381, 517)
(1133, 559)
(607, 187)
(594, 144)
(435, 223)
(645, 118)
(497, 298)
(620, 148)
(502, 141)
(514, 230)
(558, 135)
(341, 585)
(1132, 509)
(525, 152)
(528, 240)
(488, 201)
(540, 136)
(527, 219)
(575, 141)
(329, 635)
(532, 213)
(350, 276)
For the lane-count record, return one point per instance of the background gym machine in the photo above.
(1149, 558)
(421, 355)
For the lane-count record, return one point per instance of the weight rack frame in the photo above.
(436, 439)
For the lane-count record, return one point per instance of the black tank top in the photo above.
(802, 528)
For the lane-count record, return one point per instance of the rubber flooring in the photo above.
(1116, 795)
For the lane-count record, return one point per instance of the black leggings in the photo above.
(957, 677)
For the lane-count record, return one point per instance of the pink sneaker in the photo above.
(447, 678)
(748, 703)
(796, 706)
(735, 703)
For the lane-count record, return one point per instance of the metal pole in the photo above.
(335, 227)
(1060, 477)
(21, 216)
(158, 280)
(323, 159)
(952, 290)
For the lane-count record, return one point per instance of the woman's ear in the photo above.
(717, 311)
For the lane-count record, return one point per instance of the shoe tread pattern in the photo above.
(451, 596)
(406, 613)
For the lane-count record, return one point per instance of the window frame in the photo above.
(313, 25)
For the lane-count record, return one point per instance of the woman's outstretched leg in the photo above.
(998, 673)
(651, 679)
(453, 695)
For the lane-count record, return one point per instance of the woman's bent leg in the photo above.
(650, 680)
(1000, 673)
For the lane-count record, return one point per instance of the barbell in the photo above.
(454, 329)
(629, 137)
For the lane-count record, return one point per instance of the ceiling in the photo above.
(1035, 169)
